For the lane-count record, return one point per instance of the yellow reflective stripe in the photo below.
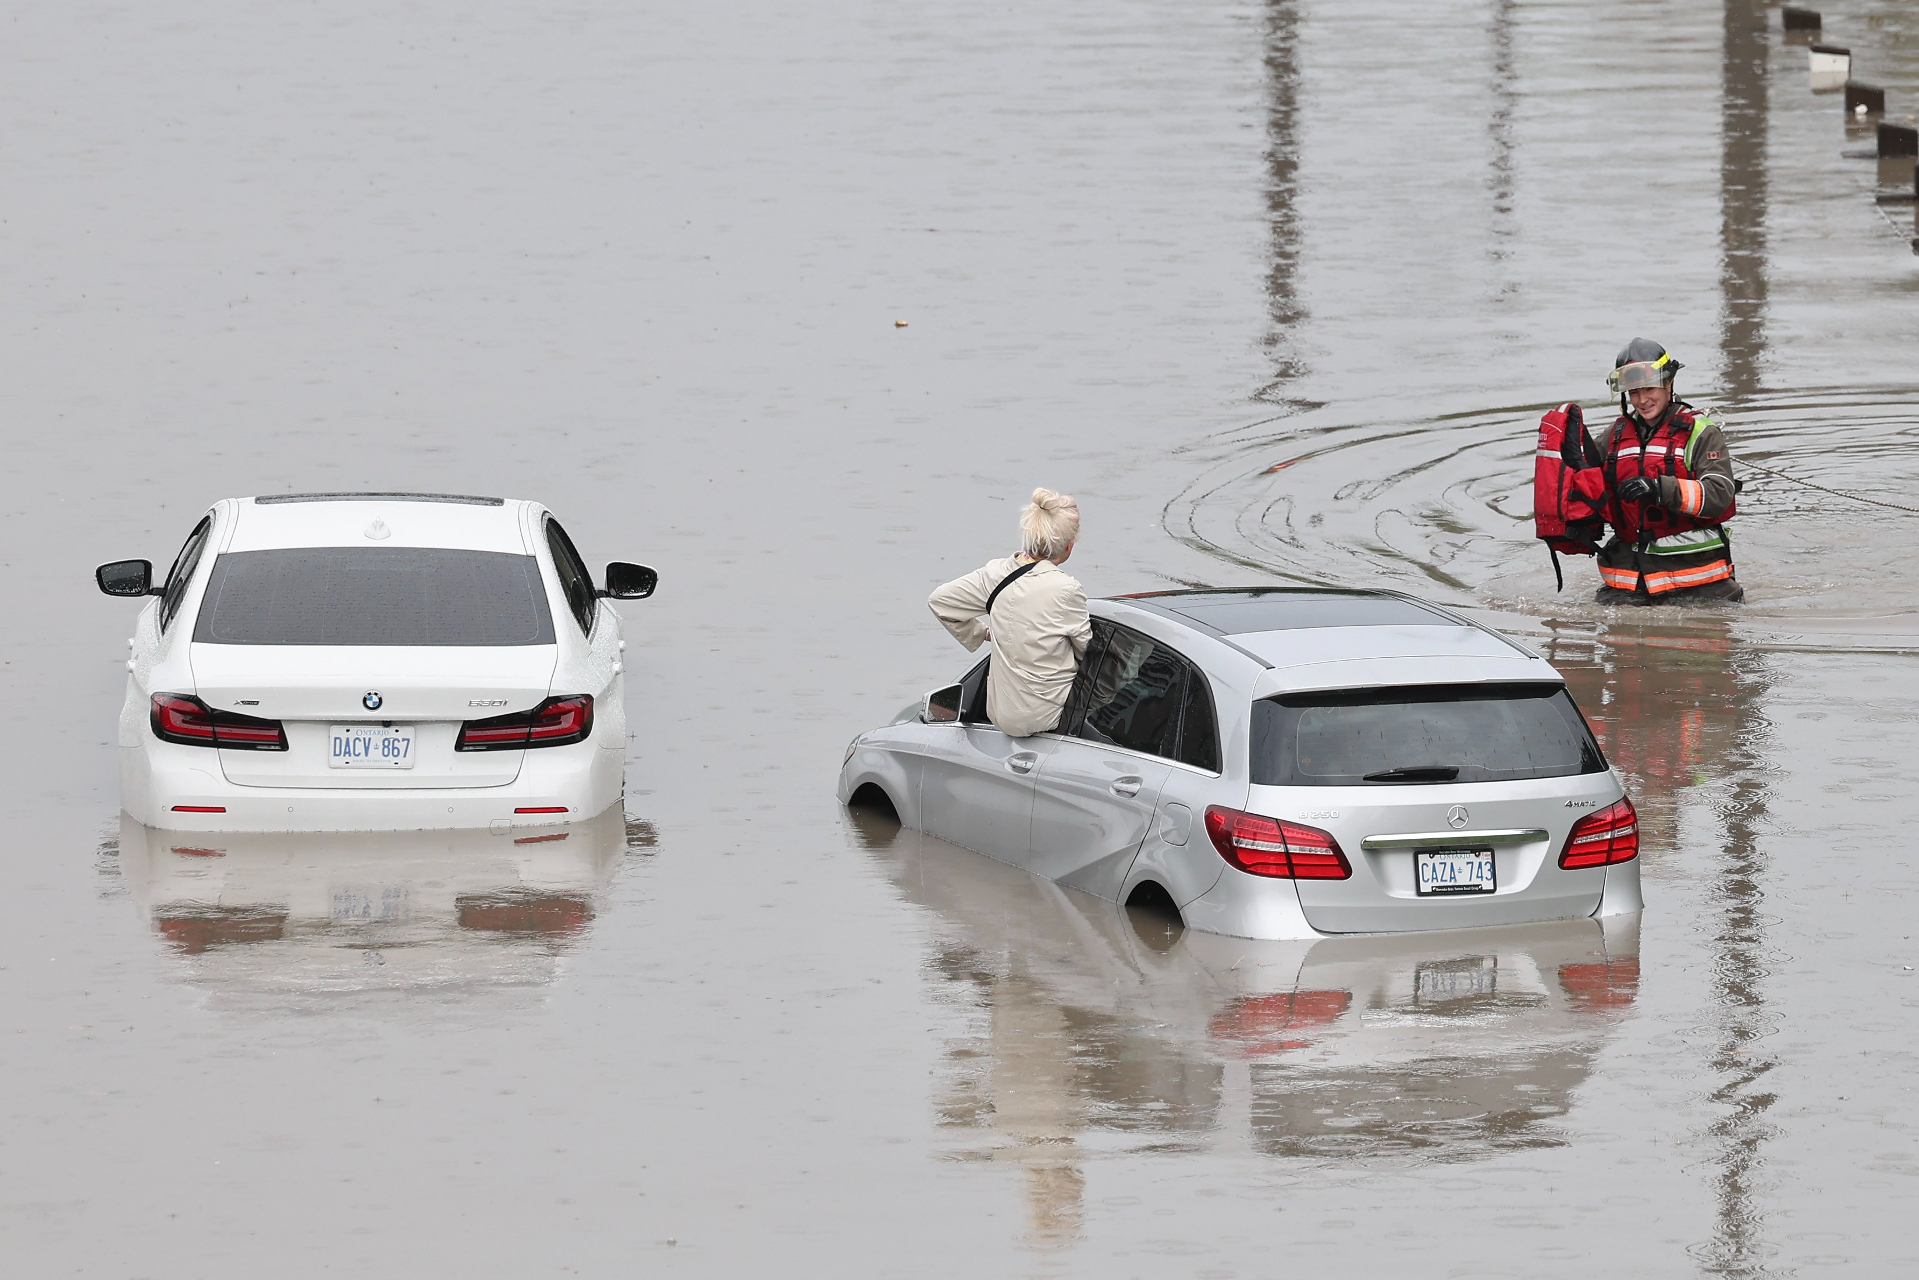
(1624, 579)
(1704, 573)
(1677, 579)
(1685, 544)
(1699, 425)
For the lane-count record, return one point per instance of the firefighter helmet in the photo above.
(1643, 363)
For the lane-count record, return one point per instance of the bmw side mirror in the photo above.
(126, 578)
(942, 706)
(629, 581)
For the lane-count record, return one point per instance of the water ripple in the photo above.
(1442, 507)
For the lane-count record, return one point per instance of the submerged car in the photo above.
(1282, 763)
(373, 661)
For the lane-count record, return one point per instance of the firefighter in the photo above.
(1665, 485)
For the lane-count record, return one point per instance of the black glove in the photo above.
(1639, 489)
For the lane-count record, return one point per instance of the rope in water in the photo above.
(1837, 493)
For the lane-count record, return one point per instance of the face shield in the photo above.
(1641, 374)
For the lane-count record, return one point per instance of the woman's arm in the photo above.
(960, 605)
(1081, 634)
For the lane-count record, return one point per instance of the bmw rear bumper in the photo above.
(182, 789)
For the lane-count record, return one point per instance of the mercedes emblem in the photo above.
(1456, 817)
(372, 703)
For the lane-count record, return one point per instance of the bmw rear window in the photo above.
(1421, 734)
(419, 596)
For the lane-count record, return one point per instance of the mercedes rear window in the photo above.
(1421, 734)
(423, 596)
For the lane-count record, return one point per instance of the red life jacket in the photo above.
(1662, 454)
(1562, 517)
(1654, 550)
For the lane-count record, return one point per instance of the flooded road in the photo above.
(1278, 291)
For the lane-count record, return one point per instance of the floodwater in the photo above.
(1278, 291)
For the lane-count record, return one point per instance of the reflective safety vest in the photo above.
(1661, 548)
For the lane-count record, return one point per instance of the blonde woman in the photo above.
(1033, 612)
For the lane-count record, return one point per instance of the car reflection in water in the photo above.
(1095, 1019)
(285, 918)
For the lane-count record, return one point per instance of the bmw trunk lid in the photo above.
(313, 688)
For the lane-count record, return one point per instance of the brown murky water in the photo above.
(1277, 289)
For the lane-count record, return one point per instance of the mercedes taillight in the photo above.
(1603, 838)
(1610, 984)
(183, 718)
(554, 723)
(1265, 846)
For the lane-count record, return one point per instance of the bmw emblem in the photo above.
(1456, 817)
(372, 703)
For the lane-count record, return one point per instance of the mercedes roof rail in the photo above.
(1264, 608)
(463, 499)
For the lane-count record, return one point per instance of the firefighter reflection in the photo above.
(1667, 708)
(1680, 713)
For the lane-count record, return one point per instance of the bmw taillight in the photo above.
(1603, 838)
(1266, 846)
(183, 718)
(554, 723)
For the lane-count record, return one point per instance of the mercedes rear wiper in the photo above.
(1415, 773)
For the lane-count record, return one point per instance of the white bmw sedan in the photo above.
(373, 661)
(1282, 763)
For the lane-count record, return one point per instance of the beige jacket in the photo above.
(1039, 631)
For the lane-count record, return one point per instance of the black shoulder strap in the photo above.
(1576, 446)
(1008, 581)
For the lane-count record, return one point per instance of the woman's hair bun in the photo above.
(1048, 524)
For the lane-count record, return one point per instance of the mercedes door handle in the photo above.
(1126, 786)
(1023, 762)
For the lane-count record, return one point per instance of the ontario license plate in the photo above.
(1438, 871)
(1438, 981)
(370, 746)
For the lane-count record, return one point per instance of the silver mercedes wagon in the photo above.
(1282, 763)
